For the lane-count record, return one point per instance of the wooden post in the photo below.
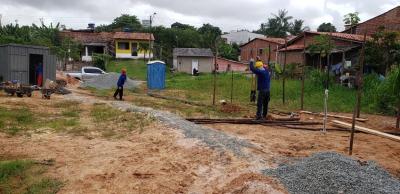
(215, 72)
(360, 77)
(283, 73)
(398, 116)
(302, 73)
(232, 86)
(359, 92)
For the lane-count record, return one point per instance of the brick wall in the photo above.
(257, 46)
(390, 20)
(235, 65)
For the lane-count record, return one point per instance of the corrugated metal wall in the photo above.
(17, 67)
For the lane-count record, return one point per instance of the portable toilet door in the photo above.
(156, 75)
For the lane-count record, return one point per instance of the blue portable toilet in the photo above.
(156, 75)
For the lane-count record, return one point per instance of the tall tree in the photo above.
(209, 35)
(351, 19)
(182, 26)
(326, 27)
(130, 22)
(297, 27)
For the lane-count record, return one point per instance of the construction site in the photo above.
(84, 142)
(263, 102)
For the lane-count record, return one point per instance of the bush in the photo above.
(101, 60)
(318, 78)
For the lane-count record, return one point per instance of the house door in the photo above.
(195, 64)
(134, 50)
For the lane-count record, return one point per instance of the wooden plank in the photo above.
(334, 116)
(370, 131)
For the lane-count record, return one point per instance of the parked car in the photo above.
(87, 73)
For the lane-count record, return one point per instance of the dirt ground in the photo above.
(161, 160)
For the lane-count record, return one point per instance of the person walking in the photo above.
(120, 85)
(263, 88)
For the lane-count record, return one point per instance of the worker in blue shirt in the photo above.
(263, 88)
(120, 85)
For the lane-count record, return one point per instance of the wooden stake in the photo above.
(232, 86)
(284, 72)
(360, 76)
(357, 107)
(215, 71)
(302, 73)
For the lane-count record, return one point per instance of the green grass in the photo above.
(24, 176)
(136, 69)
(341, 99)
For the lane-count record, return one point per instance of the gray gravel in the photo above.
(108, 81)
(334, 173)
(213, 138)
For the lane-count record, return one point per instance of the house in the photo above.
(240, 37)
(124, 45)
(346, 49)
(187, 59)
(20, 62)
(266, 48)
(390, 20)
(226, 65)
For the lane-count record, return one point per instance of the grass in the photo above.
(341, 99)
(24, 176)
(116, 123)
(135, 69)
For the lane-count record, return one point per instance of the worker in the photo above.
(263, 88)
(39, 74)
(120, 85)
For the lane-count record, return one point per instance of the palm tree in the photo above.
(279, 25)
(144, 47)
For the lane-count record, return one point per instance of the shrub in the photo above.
(101, 60)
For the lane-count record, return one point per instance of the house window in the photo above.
(123, 45)
(260, 51)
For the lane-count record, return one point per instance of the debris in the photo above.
(334, 116)
(369, 131)
(331, 172)
(143, 175)
(248, 121)
(108, 81)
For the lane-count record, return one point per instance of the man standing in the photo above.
(263, 87)
(39, 74)
(120, 85)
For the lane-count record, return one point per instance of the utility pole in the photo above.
(1, 16)
(150, 45)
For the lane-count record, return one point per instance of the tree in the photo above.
(351, 19)
(297, 27)
(209, 35)
(228, 51)
(182, 26)
(326, 27)
(126, 21)
(280, 25)
(382, 50)
(144, 47)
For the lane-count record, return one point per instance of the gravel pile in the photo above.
(334, 173)
(108, 81)
(213, 138)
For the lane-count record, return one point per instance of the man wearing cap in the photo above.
(263, 87)
(120, 85)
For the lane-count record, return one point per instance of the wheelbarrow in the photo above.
(18, 89)
(47, 92)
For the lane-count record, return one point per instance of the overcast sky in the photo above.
(227, 14)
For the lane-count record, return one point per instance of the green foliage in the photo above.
(228, 51)
(130, 22)
(135, 69)
(101, 60)
(326, 27)
(144, 47)
(351, 19)
(383, 50)
(24, 176)
(321, 45)
(280, 25)
(209, 35)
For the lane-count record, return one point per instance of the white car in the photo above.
(87, 73)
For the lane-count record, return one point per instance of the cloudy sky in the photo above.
(227, 14)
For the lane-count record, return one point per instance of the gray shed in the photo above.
(18, 62)
(187, 59)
